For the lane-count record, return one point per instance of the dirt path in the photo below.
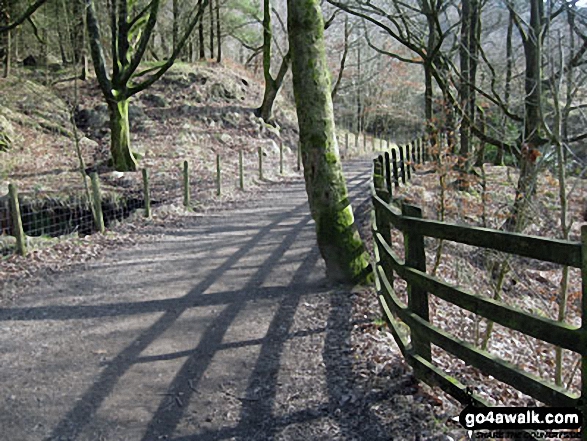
(225, 329)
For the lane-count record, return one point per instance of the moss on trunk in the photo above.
(122, 157)
(338, 238)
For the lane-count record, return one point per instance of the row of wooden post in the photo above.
(98, 215)
(389, 170)
(374, 139)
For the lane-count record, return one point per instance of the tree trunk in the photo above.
(218, 29)
(175, 24)
(272, 85)
(532, 137)
(211, 30)
(7, 41)
(338, 239)
(470, 28)
(201, 40)
(499, 159)
(122, 157)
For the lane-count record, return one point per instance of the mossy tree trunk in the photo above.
(338, 238)
(132, 28)
(122, 157)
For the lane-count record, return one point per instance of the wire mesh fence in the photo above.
(80, 209)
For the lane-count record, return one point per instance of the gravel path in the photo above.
(223, 329)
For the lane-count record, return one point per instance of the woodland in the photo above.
(496, 89)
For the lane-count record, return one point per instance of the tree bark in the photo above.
(338, 239)
(470, 24)
(532, 137)
(122, 157)
(272, 85)
(218, 29)
(201, 44)
(211, 30)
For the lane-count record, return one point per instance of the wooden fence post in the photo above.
(241, 172)
(97, 200)
(584, 327)
(408, 148)
(364, 142)
(378, 173)
(413, 151)
(357, 141)
(415, 257)
(260, 153)
(394, 163)
(402, 165)
(17, 228)
(218, 177)
(388, 174)
(146, 192)
(186, 184)
(346, 143)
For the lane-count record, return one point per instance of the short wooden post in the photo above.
(364, 142)
(402, 165)
(415, 257)
(413, 152)
(218, 177)
(377, 173)
(388, 177)
(241, 172)
(299, 158)
(357, 141)
(17, 228)
(186, 184)
(260, 153)
(408, 148)
(394, 164)
(281, 158)
(146, 192)
(346, 143)
(584, 327)
(97, 200)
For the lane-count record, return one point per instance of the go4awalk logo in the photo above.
(538, 418)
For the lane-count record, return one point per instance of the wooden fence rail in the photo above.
(423, 333)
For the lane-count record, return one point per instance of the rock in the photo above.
(137, 117)
(276, 130)
(89, 144)
(198, 78)
(53, 63)
(6, 134)
(273, 147)
(116, 175)
(155, 100)
(4, 188)
(93, 121)
(197, 96)
(30, 61)
(225, 138)
(231, 119)
(222, 91)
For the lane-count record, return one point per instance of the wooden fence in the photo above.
(95, 211)
(412, 268)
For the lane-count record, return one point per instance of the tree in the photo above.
(130, 38)
(24, 16)
(338, 238)
(272, 85)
